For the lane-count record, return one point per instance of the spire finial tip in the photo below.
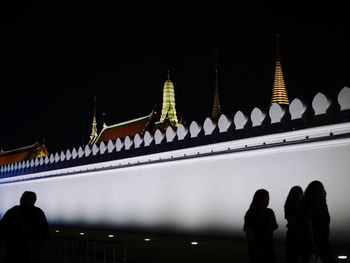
(168, 74)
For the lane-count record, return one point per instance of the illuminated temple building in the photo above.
(153, 121)
(157, 119)
(33, 151)
(168, 116)
(279, 92)
(140, 125)
(168, 109)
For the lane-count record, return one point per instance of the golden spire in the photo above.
(94, 133)
(279, 92)
(168, 109)
(216, 112)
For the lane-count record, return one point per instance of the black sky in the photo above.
(54, 60)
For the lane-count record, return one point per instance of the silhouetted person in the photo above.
(2, 246)
(259, 224)
(295, 241)
(317, 221)
(25, 230)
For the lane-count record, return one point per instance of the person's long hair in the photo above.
(259, 199)
(315, 192)
(294, 198)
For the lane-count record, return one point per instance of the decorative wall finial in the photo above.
(104, 120)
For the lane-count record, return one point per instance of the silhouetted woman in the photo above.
(295, 240)
(317, 221)
(259, 224)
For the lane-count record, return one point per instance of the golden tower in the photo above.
(94, 134)
(216, 112)
(168, 109)
(279, 92)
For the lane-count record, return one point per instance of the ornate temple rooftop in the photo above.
(22, 154)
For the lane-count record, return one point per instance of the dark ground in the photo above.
(174, 248)
(69, 245)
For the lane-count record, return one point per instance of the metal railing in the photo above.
(81, 250)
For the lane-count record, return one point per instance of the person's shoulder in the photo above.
(248, 212)
(38, 209)
(13, 209)
(39, 212)
(270, 211)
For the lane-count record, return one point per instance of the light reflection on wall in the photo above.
(195, 195)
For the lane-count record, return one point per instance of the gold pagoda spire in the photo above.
(168, 109)
(216, 112)
(279, 92)
(94, 133)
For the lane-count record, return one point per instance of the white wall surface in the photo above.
(197, 194)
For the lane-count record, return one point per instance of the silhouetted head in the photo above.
(260, 199)
(295, 195)
(315, 192)
(28, 198)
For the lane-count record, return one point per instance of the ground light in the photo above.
(194, 243)
(147, 239)
(110, 235)
(342, 257)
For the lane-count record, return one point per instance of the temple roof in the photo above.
(123, 129)
(22, 154)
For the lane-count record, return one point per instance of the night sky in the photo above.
(55, 60)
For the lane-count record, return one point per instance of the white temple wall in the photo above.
(197, 194)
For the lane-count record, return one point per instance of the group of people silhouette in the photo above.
(25, 229)
(308, 220)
